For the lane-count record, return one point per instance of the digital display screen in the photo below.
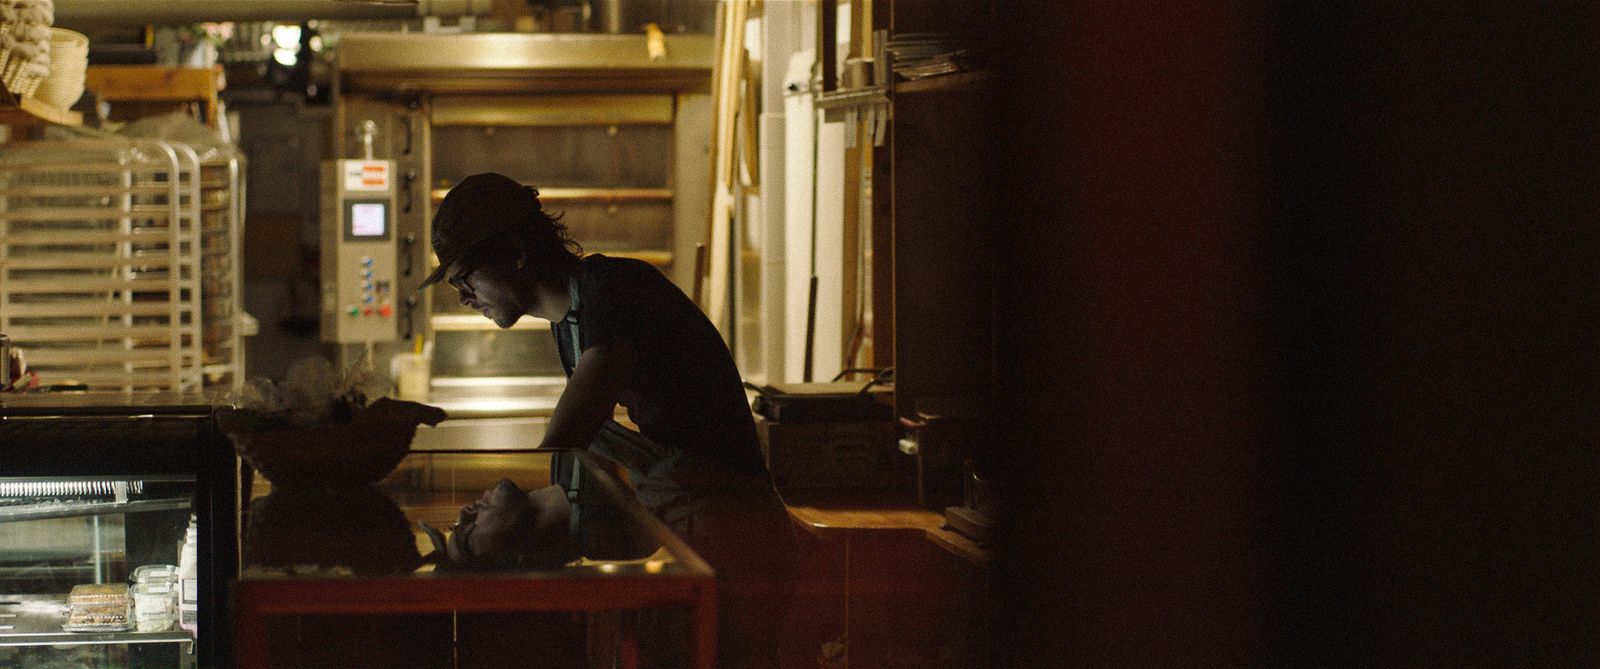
(369, 219)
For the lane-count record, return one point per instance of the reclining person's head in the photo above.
(507, 528)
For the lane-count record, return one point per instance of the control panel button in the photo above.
(355, 311)
(385, 310)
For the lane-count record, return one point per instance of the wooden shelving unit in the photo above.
(157, 84)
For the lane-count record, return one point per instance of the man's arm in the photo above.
(591, 395)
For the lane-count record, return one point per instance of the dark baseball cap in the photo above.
(480, 208)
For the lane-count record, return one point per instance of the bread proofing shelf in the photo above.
(100, 259)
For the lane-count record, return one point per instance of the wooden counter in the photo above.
(873, 591)
(833, 515)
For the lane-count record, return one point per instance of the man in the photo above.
(626, 335)
(508, 528)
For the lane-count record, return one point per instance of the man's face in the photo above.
(484, 528)
(492, 292)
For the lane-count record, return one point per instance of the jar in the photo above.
(155, 598)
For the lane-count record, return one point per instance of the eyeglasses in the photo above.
(459, 281)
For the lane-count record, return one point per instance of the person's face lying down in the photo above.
(484, 529)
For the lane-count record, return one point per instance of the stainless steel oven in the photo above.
(613, 139)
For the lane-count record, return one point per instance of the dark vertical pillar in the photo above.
(1307, 297)
(1133, 316)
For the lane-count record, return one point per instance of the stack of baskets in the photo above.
(25, 44)
(69, 62)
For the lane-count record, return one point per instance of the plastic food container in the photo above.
(155, 597)
(98, 607)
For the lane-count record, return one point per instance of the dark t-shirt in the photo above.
(685, 394)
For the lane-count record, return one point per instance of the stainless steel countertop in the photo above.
(481, 434)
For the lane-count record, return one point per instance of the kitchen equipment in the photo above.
(360, 267)
(100, 261)
(941, 438)
(617, 147)
(839, 434)
(125, 471)
(224, 323)
(411, 373)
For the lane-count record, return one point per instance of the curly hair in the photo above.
(542, 249)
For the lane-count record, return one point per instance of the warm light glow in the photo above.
(286, 36)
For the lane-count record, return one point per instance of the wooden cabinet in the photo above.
(882, 585)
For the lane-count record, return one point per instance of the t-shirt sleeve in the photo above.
(611, 310)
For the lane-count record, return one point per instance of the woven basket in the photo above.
(69, 60)
(25, 45)
(18, 79)
(5, 42)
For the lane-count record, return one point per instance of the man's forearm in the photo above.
(590, 397)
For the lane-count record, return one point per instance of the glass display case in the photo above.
(351, 577)
(60, 533)
(116, 526)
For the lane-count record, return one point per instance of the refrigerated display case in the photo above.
(95, 487)
(57, 533)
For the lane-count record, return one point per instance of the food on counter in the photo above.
(98, 607)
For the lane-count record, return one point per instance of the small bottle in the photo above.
(188, 581)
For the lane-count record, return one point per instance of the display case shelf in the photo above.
(36, 620)
(73, 510)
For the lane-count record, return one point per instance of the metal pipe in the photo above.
(89, 13)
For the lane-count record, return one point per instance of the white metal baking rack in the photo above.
(100, 261)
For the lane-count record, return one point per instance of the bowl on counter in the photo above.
(357, 453)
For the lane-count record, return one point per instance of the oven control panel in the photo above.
(359, 251)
